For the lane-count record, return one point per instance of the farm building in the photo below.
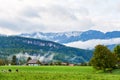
(33, 62)
(64, 64)
(71, 65)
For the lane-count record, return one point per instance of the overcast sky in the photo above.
(19, 16)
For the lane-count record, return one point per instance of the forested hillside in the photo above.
(10, 45)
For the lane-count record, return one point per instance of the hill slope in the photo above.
(41, 49)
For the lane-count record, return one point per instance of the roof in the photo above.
(34, 61)
(64, 63)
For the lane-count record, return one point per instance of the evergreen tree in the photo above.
(29, 58)
(14, 60)
(103, 59)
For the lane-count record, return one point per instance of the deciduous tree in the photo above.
(1, 62)
(103, 58)
(117, 52)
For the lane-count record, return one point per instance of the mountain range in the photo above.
(80, 39)
(49, 47)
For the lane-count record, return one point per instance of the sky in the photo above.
(26, 16)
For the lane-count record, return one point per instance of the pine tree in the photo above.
(14, 60)
(29, 58)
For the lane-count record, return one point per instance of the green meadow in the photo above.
(56, 73)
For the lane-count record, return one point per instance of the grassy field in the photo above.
(56, 73)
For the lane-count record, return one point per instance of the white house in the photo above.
(33, 62)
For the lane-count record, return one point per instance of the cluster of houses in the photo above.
(35, 62)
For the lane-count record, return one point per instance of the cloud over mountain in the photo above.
(90, 44)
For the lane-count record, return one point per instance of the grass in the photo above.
(56, 73)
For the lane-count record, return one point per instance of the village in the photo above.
(36, 62)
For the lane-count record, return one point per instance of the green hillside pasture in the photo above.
(55, 73)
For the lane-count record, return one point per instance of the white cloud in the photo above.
(7, 31)
(90, 44)
(59, 15)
